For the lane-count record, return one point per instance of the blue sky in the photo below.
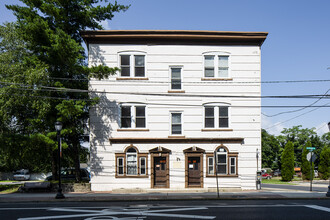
(297, 47)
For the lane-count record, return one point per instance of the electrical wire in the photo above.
(297, 109)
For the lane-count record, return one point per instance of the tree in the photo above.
(51, 32)
(270, 150)
(324, 166)
(287, 161)
(305, 164)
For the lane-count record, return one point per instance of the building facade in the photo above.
(182, 111)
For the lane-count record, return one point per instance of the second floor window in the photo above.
(176, 123)
(133, 116)
(132, 65)
(216, 117)
(216, 66)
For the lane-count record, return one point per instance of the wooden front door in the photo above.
(194, 172)
(160, 172)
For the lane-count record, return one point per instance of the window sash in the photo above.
(139, 70)
(209, 117)
(223, 117)
(176, 123)
(140, 116)
(210, 165)
(232, 165)
(221, 163)
(131, 163)
(175, 78)
(126, 118)
(120, 166)
(125, 65)
(143, 162)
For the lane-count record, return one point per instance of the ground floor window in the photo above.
(131, 163)
(221, 162)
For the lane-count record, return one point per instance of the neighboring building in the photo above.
(181, 98)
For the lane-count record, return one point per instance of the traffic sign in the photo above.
(310, 148)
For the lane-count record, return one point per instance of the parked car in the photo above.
(266, 176)
(277, 173)
(70, 174)
(22, 174)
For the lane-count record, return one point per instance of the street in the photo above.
(193, 209)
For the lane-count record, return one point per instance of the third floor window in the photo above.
(132, 65)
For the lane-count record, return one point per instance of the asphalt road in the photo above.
(297, 187)
(195, 209)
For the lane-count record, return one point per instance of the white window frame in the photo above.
(170, 77)
(216, 107)
(132, 55)
(210, 164)
(118, 166)
(145, 166)
(176, 112)
(232, 165)
(216, 66)
(136, 162)
(133, 115)
(218, 163)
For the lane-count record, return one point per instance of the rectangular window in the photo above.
(221, 164)
(176, 123)
(210, 165)
(209, 66)
(139, 66)
(209, 117)
(140, 116)
(125, 65)
(223, 117)
(142, 166)
(120, 165)
(131, 164)
(175, 78)
(232, 165)
(223, 66)
(126, 117)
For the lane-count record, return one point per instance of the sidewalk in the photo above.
(187, 194)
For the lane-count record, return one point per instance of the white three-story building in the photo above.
(183, 110)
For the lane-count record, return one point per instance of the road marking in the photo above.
(318, 207)
(107, 212)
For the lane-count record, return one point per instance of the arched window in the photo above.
(131, 163)
(222, 161)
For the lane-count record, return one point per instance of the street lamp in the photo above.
(58, 127)
(328, 193)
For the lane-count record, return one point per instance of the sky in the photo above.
(297, 47)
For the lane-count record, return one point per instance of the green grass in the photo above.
(9, 188)
(277, 180)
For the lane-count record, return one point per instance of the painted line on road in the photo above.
(318, 207)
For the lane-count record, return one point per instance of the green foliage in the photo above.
(270, 150)
(306, 165)
(36, 53)
(324, 167)
(287, 161)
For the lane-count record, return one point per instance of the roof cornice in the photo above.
(174, 37)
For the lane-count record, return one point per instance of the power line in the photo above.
(58, 89)
(297, 109)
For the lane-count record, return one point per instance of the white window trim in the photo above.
(170, 78)
(216, 55)
(216, 115)
(217, 163)
(145, 166)
(170, 126)
(210, 165)
(122, 158)
(132, 63)
(133, 115)
(235, 158)
(137, 166)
